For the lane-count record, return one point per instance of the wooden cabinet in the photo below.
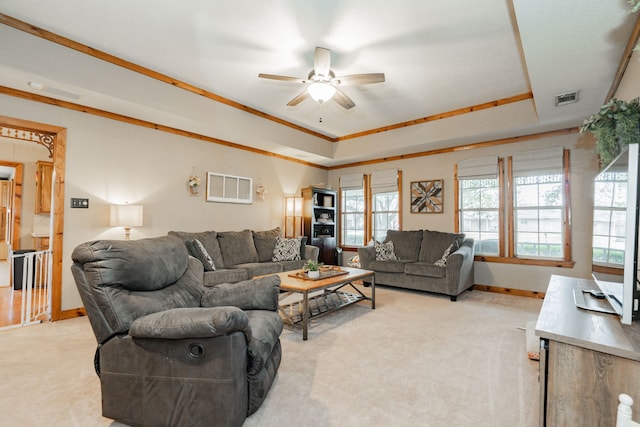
(587, 359)
(44, 177)
(321, 221)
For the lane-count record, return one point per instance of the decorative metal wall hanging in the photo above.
(427, 196)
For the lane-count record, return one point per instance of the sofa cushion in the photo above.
(287, 249)
(424, 269)
(237, 247)
(265, 242)
(209, 241)
(435, 243)
(253, 294)
(225, 275)
(197, 250)
(405, 243)
(387, 266)
(385, 251)
(259, 268)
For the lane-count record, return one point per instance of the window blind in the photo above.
(354, 180)
(539, 162)
(478, 168)
(384, 181)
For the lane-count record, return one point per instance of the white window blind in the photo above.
(384, 181)
(354, 180)
(539, 162)
(478, 168)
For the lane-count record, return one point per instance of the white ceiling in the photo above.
(437, 56)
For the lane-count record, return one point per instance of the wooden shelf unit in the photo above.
(320, 218)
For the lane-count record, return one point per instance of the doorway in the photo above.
(53, 138)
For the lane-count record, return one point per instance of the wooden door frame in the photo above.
(59, 155)
(16, 205)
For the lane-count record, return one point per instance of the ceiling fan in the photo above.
(321, 82)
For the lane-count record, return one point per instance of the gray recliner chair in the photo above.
(170, 352)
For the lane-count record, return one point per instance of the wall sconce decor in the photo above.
(293, 216)
(261, 192)
(193, 183)
(126, 216)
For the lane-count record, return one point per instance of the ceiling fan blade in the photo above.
(359, 79)
(298, 99)
(343, 100)
(283, 78)
(322, 62)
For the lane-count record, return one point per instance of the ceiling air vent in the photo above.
(567, 98)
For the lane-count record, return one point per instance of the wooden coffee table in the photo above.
(297, 314)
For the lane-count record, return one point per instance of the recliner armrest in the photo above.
(192, 322)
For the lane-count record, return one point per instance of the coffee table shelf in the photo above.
(324, 303)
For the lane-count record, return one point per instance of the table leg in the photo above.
(305, 315)
(373, 292)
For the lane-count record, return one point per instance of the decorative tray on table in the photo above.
(325, 272)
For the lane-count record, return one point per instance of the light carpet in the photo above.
(416, 360)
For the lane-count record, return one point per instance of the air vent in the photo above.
(567, 98)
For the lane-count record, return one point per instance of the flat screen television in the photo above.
(624, 295)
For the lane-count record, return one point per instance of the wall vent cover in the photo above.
(567, 98)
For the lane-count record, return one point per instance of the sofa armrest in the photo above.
(311, 252)
(459, 269)
(367, 254)
(259, 293)
(192, 322)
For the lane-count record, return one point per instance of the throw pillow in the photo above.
(442, 262)
(287, 249)
(265, 241)
(385, 251)
(197, 250)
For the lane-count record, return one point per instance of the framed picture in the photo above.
(427, 196)
(228, 188)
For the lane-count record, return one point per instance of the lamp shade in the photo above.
(125, 216)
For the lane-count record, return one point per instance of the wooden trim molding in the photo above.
(616, 271)
(525, 261)
(510, 291)
(73, 313)
(59, 156)
(98, 54)
(143, 123)
(440, 116)
(484, 144)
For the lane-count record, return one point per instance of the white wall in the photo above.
(533, 278)
(113, 162)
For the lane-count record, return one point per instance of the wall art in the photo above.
(427, 196)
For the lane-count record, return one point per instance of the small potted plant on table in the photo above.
(312, 269)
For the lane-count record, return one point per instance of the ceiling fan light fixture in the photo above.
(321, 92)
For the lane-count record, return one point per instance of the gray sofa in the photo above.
(241, 255)
(171, 351)
(425, 260)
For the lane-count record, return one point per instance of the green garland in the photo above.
(616, 124)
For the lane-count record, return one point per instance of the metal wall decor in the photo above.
(427, 196)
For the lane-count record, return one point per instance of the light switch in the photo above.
(79, 203)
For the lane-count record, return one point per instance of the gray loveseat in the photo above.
(241, 255)
(170, 351)
(424, 260)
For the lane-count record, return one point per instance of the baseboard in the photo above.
(509, 291)
(73, 313)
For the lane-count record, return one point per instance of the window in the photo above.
(538, 216)
(479, 198)
(352, 216)
(369, 206)
(609, 218)
(534, 199)
(385, 214)
(479, 213)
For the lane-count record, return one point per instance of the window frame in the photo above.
(507, 243)
(368, 206)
